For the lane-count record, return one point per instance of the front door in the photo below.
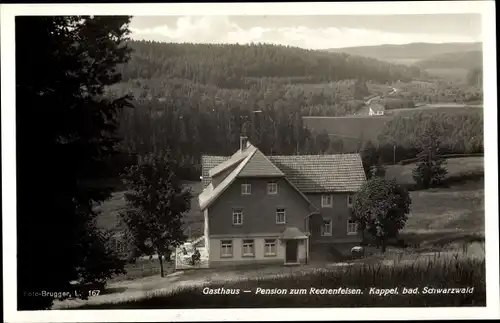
(291, 251)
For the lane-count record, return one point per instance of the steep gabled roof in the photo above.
(233, 160)
(211, 193)
(322, 173)
(260, 166)
(207, 163)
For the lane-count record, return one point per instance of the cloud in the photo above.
(220, 29)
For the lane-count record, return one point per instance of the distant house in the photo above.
(376, 109)
(278, 209)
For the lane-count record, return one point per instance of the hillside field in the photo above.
(445, 214)
(451, 74)
(437, 108)
(353, 129)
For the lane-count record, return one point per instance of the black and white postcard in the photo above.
(260, 161)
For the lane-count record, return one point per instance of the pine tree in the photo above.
(430, 170)
(370, 157)
(66, 145)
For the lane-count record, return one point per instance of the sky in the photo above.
(312, 32)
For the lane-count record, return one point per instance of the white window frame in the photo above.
(224, 246)
(246, 189)
(326, 196)
(236, 213)
(352, 227)
(352, 199)
(248, 244)
(279, 212)
(324, 232)
(270, 247)
(272, 184)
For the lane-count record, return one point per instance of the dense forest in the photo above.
(192, 122)
(234, 66)
(199, 98)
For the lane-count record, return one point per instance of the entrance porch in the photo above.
(294, 242)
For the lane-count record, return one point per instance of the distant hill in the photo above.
(408, 53)
(467, 60)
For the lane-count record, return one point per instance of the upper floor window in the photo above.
(248, 248)
(350, 200)
(246, 189)
(352, 227)
(326, 228)
(272, 187)
(280, 216)
(326, 201)
(237, 216)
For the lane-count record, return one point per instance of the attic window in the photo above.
(272, 188)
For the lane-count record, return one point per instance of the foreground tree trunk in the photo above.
(384, 245)
(161, 264)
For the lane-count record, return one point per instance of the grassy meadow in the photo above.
(451, 74)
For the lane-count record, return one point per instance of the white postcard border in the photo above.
(485, 8)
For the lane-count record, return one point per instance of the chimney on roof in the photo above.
(243, 142)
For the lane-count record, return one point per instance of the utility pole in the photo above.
(394, 154)
(254, 138)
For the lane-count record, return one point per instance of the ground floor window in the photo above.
(270, 247)
(226, 248)
(248, 248)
